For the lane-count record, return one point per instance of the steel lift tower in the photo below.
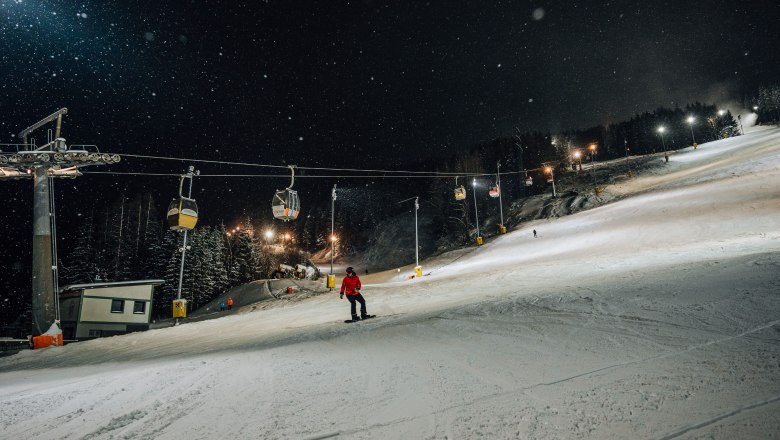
(52, 160)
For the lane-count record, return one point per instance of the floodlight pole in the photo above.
(416, 239)
(476, 213)
(498, 183)
(519, 144)
(189, 175)
(417, 268)
(661, 131)
(628, 163)
(552, 176)
(332, 226)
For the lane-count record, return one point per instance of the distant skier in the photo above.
(230, 303)
(222, 307)
(351, 286)
(534, 233)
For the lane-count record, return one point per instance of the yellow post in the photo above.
(479, 241)
(418, 271)
(180, 308)
(502, 228)
(695, 145)
(598, 190)
(331, 281)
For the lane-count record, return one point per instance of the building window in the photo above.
(117, 306)
(95, 334)
(139, 307)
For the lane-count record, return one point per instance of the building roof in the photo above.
(72, 287)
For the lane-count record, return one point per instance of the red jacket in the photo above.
(350, 285)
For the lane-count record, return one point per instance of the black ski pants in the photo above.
(357, 298)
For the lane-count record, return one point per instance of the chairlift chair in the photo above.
(286, 205)
(494, 191)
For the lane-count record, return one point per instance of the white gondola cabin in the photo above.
(529, 181)
(494, 191)
(286, 205)
(460, 193)
(182, 214)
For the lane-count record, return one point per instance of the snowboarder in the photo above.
(534, 233)
(230, 303)
(351, 286)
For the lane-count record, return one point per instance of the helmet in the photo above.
(350, 270)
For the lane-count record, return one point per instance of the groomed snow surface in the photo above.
(655, 316)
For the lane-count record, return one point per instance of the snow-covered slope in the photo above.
(656, 316)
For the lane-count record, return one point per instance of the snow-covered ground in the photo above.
(656, 316)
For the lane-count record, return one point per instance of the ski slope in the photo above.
(655, 316)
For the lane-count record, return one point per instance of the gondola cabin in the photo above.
(529, 181)
(460, 193)
(494, 191)
(286, 205)
(182, 214)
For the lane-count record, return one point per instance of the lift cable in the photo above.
(322, 176)
(220, 162)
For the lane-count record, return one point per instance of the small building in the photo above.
(95, 310)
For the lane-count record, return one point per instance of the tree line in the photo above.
(129, 240)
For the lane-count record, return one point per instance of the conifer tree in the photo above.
(80, 265)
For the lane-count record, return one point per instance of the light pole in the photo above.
(501, 227)
(476, 213)
(518, 142)
(628, 163)
(661, 130)
(331, 275)
(417, 267)
(592, 149)
(549, 170)
(691, 120)
(229, 241)
(578, 156)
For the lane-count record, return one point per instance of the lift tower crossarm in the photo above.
(56, 115)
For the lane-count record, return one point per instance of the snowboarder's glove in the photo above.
(341, 295)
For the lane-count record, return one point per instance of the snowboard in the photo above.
(358, 320)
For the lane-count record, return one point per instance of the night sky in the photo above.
(365, 82)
